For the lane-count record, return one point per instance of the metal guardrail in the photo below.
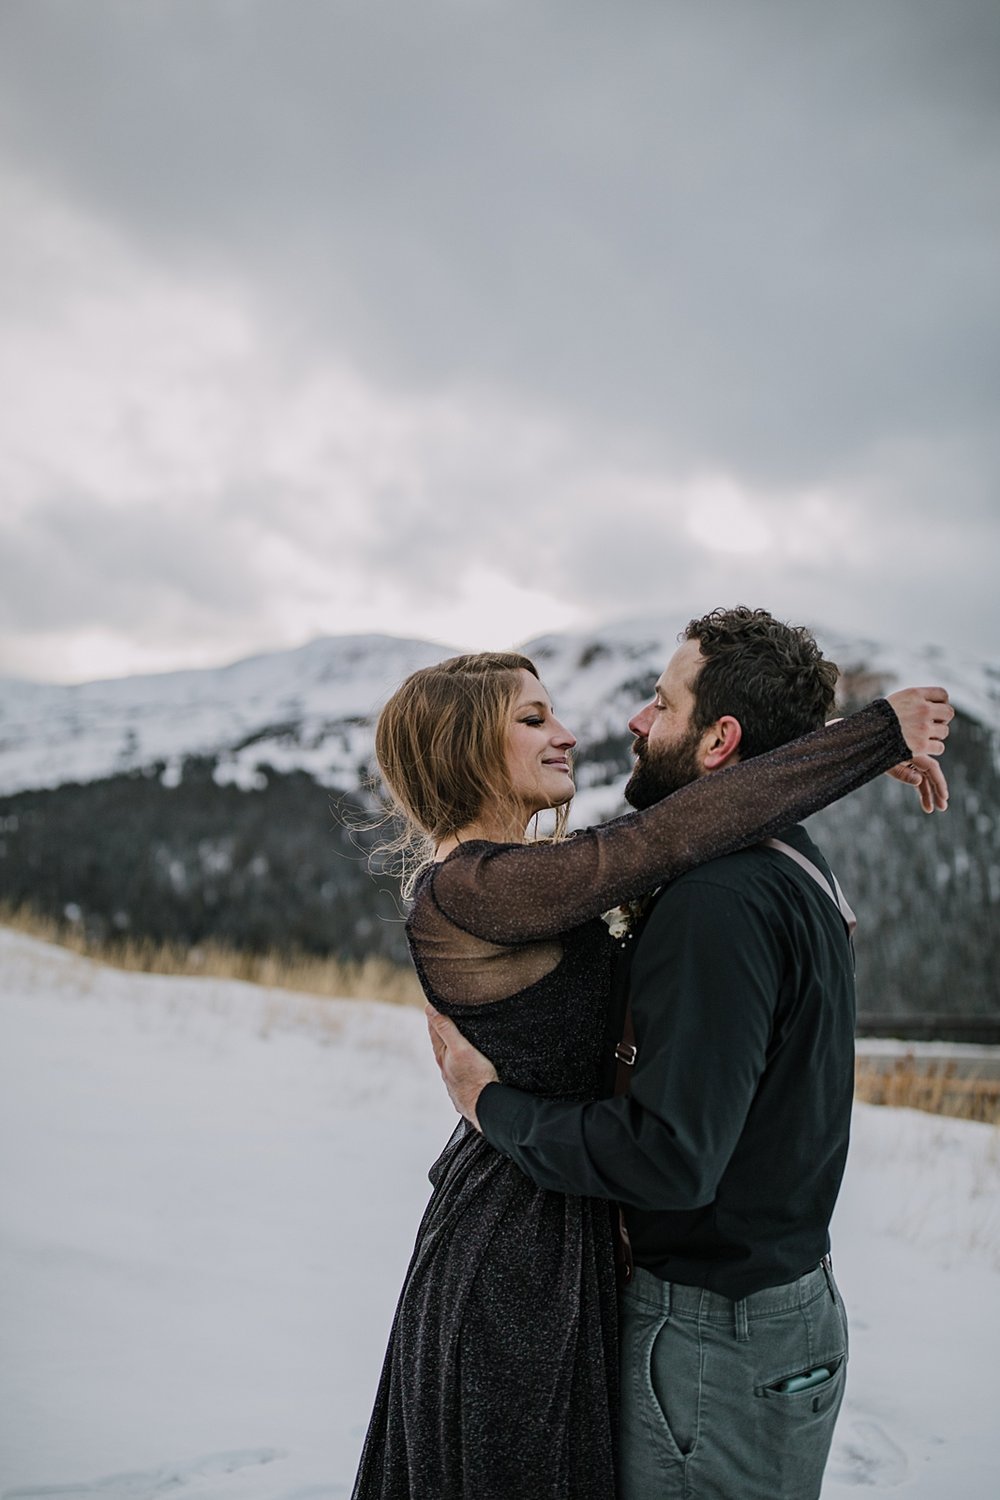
(985, 1029)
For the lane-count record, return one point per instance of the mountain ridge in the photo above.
(311, 707)
(194, 806)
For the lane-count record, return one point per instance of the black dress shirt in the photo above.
(729, 1150)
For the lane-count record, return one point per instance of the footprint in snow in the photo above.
(866, 1454)
(146, 1484)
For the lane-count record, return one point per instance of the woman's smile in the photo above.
(538, 749)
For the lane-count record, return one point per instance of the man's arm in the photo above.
(704, 983)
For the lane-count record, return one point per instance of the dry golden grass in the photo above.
(371, 979)
(906, 1082)
(913, 1083)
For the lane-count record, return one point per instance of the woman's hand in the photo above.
(924, 715)
(926, 775)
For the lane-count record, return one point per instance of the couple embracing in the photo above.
(711, 1363)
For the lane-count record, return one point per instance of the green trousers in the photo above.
(725, 1400)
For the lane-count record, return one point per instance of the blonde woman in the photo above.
(500, 1379)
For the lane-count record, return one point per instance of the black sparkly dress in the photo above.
(500, 1379)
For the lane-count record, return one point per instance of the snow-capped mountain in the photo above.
(309, 709)
(197, 805)
(313, 709)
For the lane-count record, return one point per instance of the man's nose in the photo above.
(640, 722)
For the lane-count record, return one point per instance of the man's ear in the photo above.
(720, 745)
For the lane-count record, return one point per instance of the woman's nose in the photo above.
(562, 736)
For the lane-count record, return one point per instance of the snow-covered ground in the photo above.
(208, 1198)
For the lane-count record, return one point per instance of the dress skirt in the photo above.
(500, 1379)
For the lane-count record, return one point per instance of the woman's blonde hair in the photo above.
(441, 748)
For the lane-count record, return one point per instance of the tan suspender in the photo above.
(836, 895)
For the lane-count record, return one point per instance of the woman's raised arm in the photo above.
(511, 893)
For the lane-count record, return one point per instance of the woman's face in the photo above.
(538, 749)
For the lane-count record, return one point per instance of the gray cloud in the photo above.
(749, 240)
(79, 562)
(767, 231)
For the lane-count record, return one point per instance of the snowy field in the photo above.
(207, 1198)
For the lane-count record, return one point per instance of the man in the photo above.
(729, 1149)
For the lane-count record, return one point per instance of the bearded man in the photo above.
(728, 1150)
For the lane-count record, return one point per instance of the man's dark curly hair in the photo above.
(771, 676)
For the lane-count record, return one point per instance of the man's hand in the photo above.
(927, 776)
(465, 1071)
(924, 715)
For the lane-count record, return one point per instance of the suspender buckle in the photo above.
(625, 1053)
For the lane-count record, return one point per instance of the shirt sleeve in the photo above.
(705, 982)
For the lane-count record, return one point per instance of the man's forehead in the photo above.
(683, 666)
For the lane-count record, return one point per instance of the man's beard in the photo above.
(657, 773)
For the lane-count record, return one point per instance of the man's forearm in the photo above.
(609, 1149)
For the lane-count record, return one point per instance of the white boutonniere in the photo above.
(623, 920)
(619, 921)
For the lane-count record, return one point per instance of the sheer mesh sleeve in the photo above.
(516, 893)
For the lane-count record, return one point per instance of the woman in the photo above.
(500, 1377)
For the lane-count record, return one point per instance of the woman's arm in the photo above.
(927, 778)
(511, 893)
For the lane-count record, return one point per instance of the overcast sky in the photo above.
(470, 319)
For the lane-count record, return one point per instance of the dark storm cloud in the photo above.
(764, 233)
(748, 240)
